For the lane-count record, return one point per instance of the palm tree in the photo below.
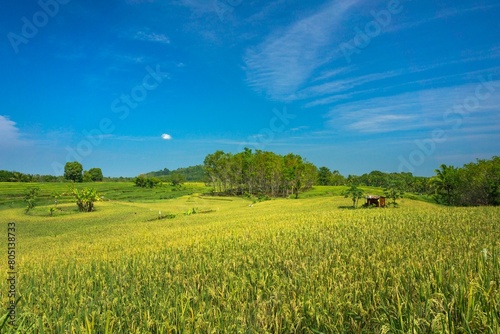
(445, 182)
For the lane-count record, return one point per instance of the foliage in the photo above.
(85, 198)
(177, 179)
(407, 181)
(329, 178)
(73, 171)
(192, 173)
(7, 176)
(394, 192)
(473, 184)
(147, 182)
(259, 173)
(87, 177)
(30, 197)
(354, 193)
(93, 175)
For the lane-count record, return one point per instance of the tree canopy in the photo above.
(476, 183)
(259, 173)
(73, 171)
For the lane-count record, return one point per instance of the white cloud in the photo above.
(152, 37)
(286, 60)
(166, 136)
(9, 133)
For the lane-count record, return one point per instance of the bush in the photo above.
(147, 182)
(30, 198)
(85, 198)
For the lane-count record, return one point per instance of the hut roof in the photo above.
(374, 196)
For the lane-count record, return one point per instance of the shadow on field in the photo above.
(346, 207)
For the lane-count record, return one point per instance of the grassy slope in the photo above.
(276, 266)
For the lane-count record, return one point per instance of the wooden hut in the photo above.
(378, 201)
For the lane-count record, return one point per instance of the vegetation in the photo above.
(30, 198)
(73, 171)
(177, 179)
(147, 182)
(354, 193)
(6, 176)
(262, 173)
(329, 178)
(85, 198)
(190, 174)
(259, 173)
(280, 266)
(474, 184)
(93, 175)
(394, 192)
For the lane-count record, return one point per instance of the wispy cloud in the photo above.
(10, 134)
(446, 13)
(420, 110)
(152, 37)
(201, 7)
(342, 85)
(286, 59)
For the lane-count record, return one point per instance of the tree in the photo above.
(73, 171)
(87, 177)
(354, 193)
(177, 179)
(96, 174)
(394, 191)
(445, 184)
(337, 179)
(324, 176)
(146, 182)
(85, 198)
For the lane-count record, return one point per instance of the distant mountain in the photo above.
(192, 173)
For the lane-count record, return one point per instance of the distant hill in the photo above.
(192, 173)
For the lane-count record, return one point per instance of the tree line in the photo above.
(73, 171)
(476, 183)
(259, 173)
(406, 181)
(192, 173)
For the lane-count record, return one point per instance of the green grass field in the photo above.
(218, 264)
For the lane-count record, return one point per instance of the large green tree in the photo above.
(96, 174)
(324, 176)
(73, 171)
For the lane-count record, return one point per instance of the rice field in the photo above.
(225, 265)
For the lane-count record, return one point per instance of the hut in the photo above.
(376, 200)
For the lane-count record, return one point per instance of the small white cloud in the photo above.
(152, 37)
(166, 136)
(9, 131)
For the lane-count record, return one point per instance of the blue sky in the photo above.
(354, 85)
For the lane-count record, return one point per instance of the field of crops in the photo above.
(214, 264)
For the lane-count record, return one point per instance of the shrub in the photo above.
(30, 198)
(85, 198)
(147, 182)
